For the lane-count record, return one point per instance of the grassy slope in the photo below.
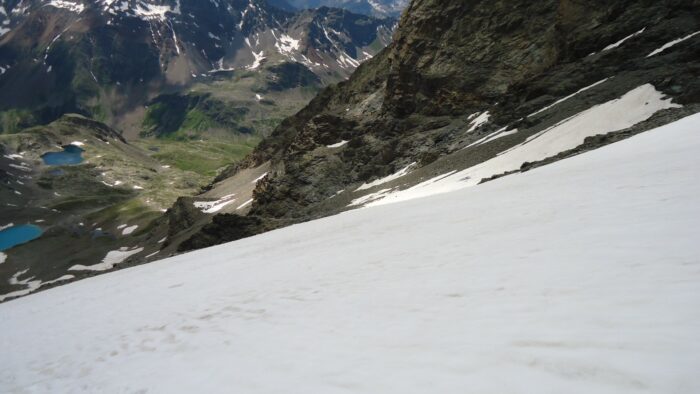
(203, 157)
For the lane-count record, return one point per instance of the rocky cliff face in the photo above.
(464, 81)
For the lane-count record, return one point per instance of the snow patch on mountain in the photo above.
(261, 177)
(152, 11)
(622, 41)
(672, 43)
(337, 144)
(112, 258)
(286, 44)
(500, 133)
(389, 178)
(245, 204)
(568, 97)
(30, 285)
(68, 5)
(215, 206)
(478, 121)
(130, 229)
(634, 107)
(259, 57)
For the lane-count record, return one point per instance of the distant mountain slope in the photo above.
(106, 59)
(99, 202)
(581, 277)
(380, 8)
(469, 91)
(185, 87)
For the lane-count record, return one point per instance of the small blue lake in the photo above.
(17, 235)
(71, 155)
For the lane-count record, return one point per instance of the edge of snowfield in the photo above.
(633, 107)
(582, 276)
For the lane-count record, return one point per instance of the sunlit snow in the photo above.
(337, 144)
(387, 178)
(577, 277)
(622, 41)
(478, 121)
(286, 44)
(568, 97)
(69, 5)
(672, 43)
(129, 230)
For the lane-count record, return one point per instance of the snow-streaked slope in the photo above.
(634, 107)
(578, 277)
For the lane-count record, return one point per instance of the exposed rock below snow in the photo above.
(464, 82)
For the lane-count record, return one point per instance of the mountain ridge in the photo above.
(105, 59)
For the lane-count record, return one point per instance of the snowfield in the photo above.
(578, 277)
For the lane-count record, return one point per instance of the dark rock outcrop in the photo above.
(224, 228)
(451, 60)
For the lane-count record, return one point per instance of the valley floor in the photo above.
(578, 277)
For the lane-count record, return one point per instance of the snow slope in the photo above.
(578, 277)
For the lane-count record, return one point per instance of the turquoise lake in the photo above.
(17, 235)
(71, 155)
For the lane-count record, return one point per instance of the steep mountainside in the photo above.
(111, 110)
(106, 59)
(468, 91)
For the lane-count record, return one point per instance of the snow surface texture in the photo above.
(577, 277)
(635, 106)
